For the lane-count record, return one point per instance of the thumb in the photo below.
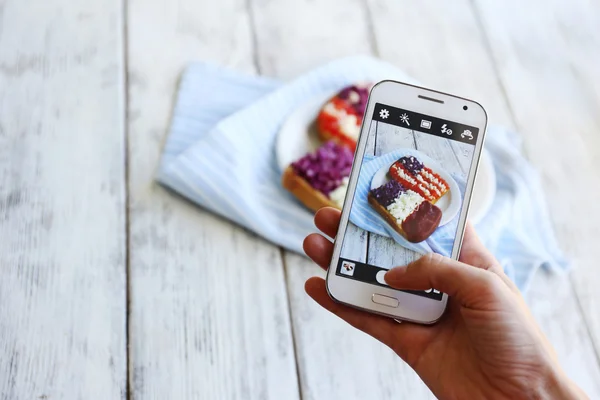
(469, 285)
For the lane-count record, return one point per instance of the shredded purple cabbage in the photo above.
(386, 194)
(326, 167)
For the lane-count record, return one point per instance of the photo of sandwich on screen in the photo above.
(407, 200)
(410, 189)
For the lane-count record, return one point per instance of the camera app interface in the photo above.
(409, 195)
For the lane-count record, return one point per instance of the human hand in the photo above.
(487, 344)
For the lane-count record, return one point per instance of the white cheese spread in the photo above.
(405, 205)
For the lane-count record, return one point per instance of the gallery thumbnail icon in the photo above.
(348, 268)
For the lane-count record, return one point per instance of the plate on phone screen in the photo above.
(449, 203)
(298, 136)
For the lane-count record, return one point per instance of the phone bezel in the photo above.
(406, 96)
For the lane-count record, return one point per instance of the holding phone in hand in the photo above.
(408, 195)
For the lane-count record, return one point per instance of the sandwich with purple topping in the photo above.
(320, 179)
(411, 215)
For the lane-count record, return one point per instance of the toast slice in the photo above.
(320, 179)
(341, 117)
(414, 175)
(420, 218)
(389, 218)
(302, 190)
(341, 139)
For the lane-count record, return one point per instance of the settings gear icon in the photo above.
(384, 114)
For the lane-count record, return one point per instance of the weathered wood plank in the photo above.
(293, 36)
(355, 247)
(464, 155)
(548, 68)
(391, 137)
(439, 43)
(62, 201)
(209, 313)
(441, 151)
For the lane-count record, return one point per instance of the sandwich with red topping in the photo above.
(341, 117)
(414, 175)
(411, 215)
(320, 179)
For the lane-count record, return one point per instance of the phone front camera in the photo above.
(465, 108)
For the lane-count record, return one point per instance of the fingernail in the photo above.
(394, 274)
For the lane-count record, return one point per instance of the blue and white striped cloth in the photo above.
(220, 155)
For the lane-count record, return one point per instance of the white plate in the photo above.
(484, 189)
(449, 203)
(293, 142)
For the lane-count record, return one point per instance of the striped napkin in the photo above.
(220, 155)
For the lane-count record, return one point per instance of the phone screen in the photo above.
(409, 195)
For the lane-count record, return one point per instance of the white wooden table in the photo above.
(112, 287)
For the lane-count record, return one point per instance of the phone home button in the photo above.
(385, 300)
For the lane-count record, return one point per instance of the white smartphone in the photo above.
(408, 195)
